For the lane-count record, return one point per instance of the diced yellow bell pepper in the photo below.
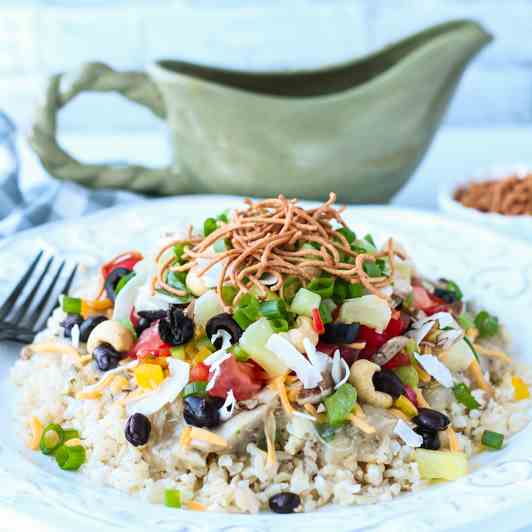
(521, 390)
(149, 375)
(406, 406)
(201, 355)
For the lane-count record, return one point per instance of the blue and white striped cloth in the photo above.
(29, 197)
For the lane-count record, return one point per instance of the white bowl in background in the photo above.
(518, 226)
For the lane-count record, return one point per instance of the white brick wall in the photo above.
(37, 38)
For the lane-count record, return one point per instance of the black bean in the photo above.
(88, 325)
(177, 329)
(431, 419)
(201, 411)
(446, 295)
(147, 317)
(112, 281)
(431, 439)
(106, 357)
(388, 382)
(340, 333)
(138, 428)
(284, 503)
(225, 322)
(69, 322)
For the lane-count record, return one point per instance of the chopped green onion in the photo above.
(70, 434)
(221, 245)
(240, 354)
(179, 251)
(250, 306)
(279, 325)
(369, 238)
(172, 498)
(472, 347)
(355, 290)
(411, 347)
(52, 438)
(228, 293)
(178, 352)
(175, 280)
(324, 286)
(465, 321)
(240, 317)
(462, 393)
(223, 216)
(70, 458)
(326, 432)
(493, 440)
(274, 309)
(197, 388)
(372, 269)
(455, 289)
(123, 281)
(340, 292)
(340, 404)
(209, 226)
(325, 313)
(178, 299)
(205, 342)
(349, 235)
(290, 287)
(486, 324)
(71, 305)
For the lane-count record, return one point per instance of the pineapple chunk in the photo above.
(441, 464)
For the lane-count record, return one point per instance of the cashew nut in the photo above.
(303, 330)
(361, 377)
(111, 332)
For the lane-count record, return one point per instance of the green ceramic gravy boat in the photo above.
(359, 128)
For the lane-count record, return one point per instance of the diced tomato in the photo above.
(199, 372)
(401, 359)
(126, 260)
(317, 323)
(241, 377)
(375, 340)
(150, 344)
(428, 303)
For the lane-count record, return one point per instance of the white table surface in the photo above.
(455, 152)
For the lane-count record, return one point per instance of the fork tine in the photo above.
(6, 307)
(23, 307)
(45, 298)
(42, 304)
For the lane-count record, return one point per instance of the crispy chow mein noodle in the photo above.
(511, 195)
(278, 238)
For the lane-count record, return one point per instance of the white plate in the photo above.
(495, 270)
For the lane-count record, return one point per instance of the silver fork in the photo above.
(34, 298)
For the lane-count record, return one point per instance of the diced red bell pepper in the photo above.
(401, 359)
(317, 323)
(241, 377)
(126, 260)
(150, 344)
(375, 340)
(134, 317)
(199, 372)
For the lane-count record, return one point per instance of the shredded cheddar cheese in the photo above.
(406, 406)
(361, 424)
(454, 446)
(36, 433)
(475, 372)
(197, 506)
(397, 413)
(311, 409)
(421, 401)
(278, 384)
(195, 433)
